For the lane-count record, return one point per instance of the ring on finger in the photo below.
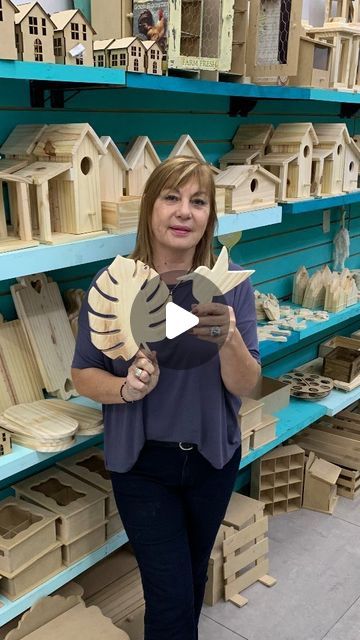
(215, 332)
(138, 372)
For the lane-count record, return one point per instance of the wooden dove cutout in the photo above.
(127, 295)
(215, 280)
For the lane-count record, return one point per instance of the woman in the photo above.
(172, 442)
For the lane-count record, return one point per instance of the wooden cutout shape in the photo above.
(90, 420)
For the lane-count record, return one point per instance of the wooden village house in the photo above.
(249, 142)
(8, 49)
(128, 53)
(142, 159)
(154, 57)
(247, 187)
(101, 52)
(72, 34)
(34, 33)
(290, 158)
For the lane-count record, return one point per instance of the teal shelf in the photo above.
(45, 72)
(318, 204)
(47, 258)
(339, 400)
(10, 609)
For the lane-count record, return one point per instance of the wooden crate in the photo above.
(214, 591)
(348, 484)
(331, 439)
(342, 364)
(338, 341)
(79, 506)
(84, 544)
(25, 531)
(39, 569)
(277, 479)
(89, 466)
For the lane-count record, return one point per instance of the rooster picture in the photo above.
(150, 29)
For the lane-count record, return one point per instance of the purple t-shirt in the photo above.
(190, 403)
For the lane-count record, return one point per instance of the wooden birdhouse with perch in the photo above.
(142, 159)
(73, 38)
(290, 158)
(247, 187)
(154, 57)
(15, 215)
(112, 19)
(249, 142)
(333, 138)
(128, 53)
(8, 50)
(101, 52)
(345, 39)
(186, 146)
(273, 42)
(34, 33)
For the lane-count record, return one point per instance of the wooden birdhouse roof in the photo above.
(111, 147)
(65, 140)
(293, 133)
(332, 133)
(234, 176)
(134, 155)
(253, 135)
(102, 45)
(22, 140)
(25, 9)
(180, 148)
(124, 43)
(354, 148)
(62, 19)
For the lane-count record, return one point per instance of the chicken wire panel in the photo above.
(274, 37)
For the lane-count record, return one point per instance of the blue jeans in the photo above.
(172, 503)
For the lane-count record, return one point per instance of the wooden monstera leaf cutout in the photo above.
(125, 293)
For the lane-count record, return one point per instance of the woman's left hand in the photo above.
(217, 322)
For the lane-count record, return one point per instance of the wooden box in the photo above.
(250, 414)
(89, 467)
(79, 506)
(84, 544)
(25, 531)
(342, 364)
(320, 484)
(277, 479)
(338, 341)
(245, 442)
(274, 395)
(264, 432)
(39, 569)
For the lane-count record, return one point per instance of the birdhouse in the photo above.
(314, 69)
(22, 141)
(112, 19)
(101, 52)
(321, 477)
(247, 187)
(142, 160)
(351, 168)
(73, 38)
(34, 33)
(345, 39)
(8, 50)
(186, 146)
(273, 43)
(15, 215)
(128, 53)
(154, 57)
(341, 11)
(333, 138)
(290, 158)
(250, 141)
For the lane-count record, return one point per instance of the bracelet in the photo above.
(122, 396)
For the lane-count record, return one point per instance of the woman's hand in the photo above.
(217, 322)
(142, 377)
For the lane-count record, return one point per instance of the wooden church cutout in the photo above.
(34, 32)
(71, 30)
(186, 146)
(142, 160)
(290, 158)
(8, 50)
(333, 138)
(247, 187)
(250, 141)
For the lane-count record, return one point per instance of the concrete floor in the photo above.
(316, 560)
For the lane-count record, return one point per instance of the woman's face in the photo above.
(180, 217)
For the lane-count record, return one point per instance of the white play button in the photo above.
(178, 320)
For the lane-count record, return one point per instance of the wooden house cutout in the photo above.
(250, 141)
(34, 32)
(273, 38)
(290, 158)
(101, 52)
(128, 53)
(112, 19)
(186, 146)
(333, 140)
(154, 57)
(8, 50)
(142, 160)
(247, 187)
(341, 11)
(73, 38)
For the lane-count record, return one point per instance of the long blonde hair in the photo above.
(170, 174)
